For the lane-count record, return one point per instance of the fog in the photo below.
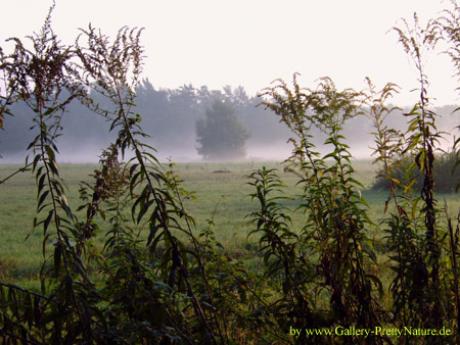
(207, 44)
(170, 116)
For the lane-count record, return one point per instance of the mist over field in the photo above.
(240, 54)
(170, 117)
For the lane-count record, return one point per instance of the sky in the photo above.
(253, 42)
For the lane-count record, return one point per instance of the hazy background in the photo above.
(245, 44)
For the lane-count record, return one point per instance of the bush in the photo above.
(220, 135)
(446, 174)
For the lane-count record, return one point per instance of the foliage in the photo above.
(220, 135)
(336, 224)
(145, 293)
(445, 173)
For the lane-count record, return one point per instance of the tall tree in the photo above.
(220, 135)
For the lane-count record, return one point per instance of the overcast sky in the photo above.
(252, 42)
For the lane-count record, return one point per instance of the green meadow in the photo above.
(220, 194)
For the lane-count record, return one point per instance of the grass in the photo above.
(221, 194)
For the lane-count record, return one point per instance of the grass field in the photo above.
(221, 194)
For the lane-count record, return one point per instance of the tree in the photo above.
(220, 135)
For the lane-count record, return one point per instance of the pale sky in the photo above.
(252, 42)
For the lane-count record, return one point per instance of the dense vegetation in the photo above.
(173, 283)
(445, 173)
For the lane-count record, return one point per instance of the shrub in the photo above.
(403, 170)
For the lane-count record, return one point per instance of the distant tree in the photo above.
(220, 135)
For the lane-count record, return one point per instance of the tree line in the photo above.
(170, 116)
(174, 120)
